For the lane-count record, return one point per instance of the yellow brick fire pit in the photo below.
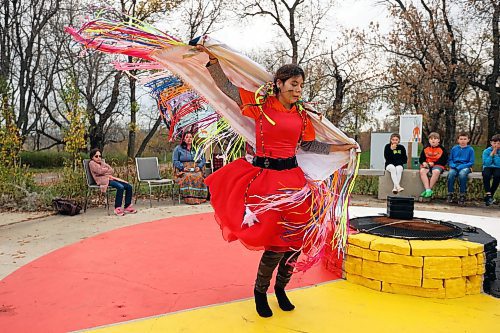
(429, 268)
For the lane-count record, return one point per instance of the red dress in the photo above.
(240, 182)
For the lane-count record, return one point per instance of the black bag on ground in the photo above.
(66, 206)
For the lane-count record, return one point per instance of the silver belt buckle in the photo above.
(267, 163)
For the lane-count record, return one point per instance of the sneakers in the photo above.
(488, 200)
(130, 210)
(400, 189)
(119, 211)
(425, 194)
(395, 190)
(461, 200)
(449, 198)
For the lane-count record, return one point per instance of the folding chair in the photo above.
(92, 185)
(148, 171)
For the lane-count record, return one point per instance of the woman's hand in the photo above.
(393, 146)
(212, 58)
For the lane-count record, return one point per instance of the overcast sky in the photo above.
(345, 14)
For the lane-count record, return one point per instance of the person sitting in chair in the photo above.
(103, 176)
(188, 172)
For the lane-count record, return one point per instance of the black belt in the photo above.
(275, 163)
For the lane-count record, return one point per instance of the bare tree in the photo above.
(299, 20)
(425, 70)
(202, 16)
(487, 77)
(23, 26)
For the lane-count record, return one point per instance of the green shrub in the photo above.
(44, 159)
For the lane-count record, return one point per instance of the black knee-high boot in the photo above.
(261, 304)
(267, 264)
(285, 271)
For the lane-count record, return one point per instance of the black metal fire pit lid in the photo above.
(417, 228)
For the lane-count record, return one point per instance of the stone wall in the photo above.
(428, 268)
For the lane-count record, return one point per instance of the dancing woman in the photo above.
(281, 125)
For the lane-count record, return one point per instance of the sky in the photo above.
(345, 14)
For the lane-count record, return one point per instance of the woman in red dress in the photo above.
(281, 125)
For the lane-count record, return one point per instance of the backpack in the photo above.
(66, 206)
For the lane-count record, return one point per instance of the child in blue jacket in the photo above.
(460, 162)
(491, 169)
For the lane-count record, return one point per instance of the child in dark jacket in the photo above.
(491, 169)
(460, 163)
(432, 160)
(395, 157)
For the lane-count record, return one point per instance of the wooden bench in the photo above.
(410, 181)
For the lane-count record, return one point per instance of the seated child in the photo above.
(491, 169)
(460, 163)
(432, 160)
(395, 157)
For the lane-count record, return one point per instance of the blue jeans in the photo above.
(120, 187)
(462, 179)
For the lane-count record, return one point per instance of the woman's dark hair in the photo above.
(183, 142)
(285, 72)
(94, 151)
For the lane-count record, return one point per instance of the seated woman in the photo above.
(103, 176)
(188, 172)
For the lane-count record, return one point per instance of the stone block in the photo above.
(481, 258)
(391, 258)
(415, 291)
(455, 287)
(394, 245)
(352, 265)
(362, 240)
(438, 248)
(474, 284)
(481, 269)
(369, 283)
(360, 252)
(393, 273)
(474, 248)
(442, 267)
(469, 265)
(370, 255)
(355, 251)
(432, 283)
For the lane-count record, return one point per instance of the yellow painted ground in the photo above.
(337, 306)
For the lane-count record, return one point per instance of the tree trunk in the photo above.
(133, 115)
(148, 137)
(492, 79)
(450, 115)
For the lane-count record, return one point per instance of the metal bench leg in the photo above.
(150, 195)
